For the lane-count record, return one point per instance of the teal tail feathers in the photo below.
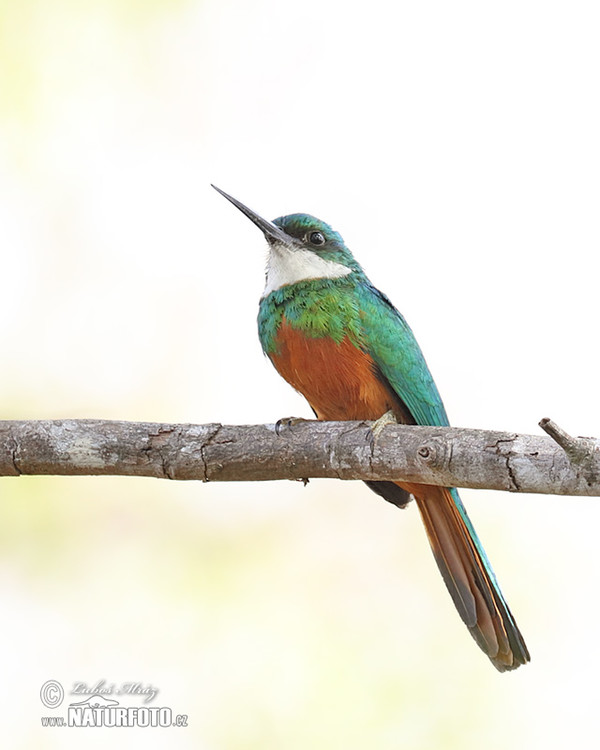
(469, 576)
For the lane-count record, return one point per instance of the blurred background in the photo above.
(455, 146)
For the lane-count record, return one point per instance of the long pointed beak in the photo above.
(272, 232)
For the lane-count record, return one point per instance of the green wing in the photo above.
(392, 345)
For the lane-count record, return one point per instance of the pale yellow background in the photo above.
(455, 146)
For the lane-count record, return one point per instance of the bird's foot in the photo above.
(388, 418)
(287, 423)
(377, 426)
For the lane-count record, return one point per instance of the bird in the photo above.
(340, 342)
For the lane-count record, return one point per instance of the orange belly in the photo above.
(339, 381)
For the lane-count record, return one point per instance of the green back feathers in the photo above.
(392, 345)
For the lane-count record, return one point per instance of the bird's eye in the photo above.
(316, 238)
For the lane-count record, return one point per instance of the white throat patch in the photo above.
(286, 266)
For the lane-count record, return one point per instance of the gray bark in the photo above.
(447, 456)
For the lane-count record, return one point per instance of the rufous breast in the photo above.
(339, 380)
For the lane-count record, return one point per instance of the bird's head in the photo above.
(301, 248)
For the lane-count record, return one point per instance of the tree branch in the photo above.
(445, 456)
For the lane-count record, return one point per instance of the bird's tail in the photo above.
(469, 576)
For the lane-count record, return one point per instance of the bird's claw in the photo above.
(287, 423)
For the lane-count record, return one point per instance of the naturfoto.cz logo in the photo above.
(97, 710)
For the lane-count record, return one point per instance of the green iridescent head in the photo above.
(301, 248)
(318, 237)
